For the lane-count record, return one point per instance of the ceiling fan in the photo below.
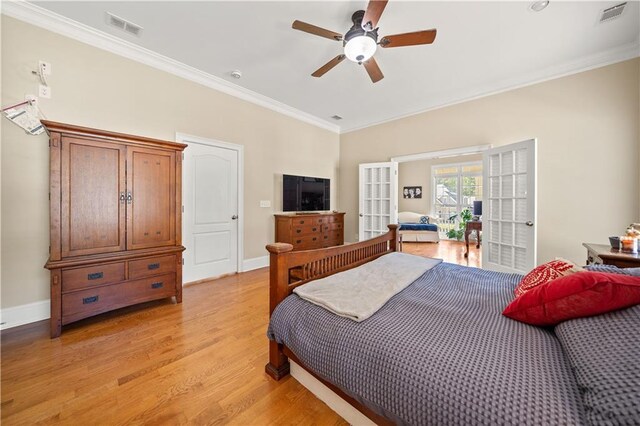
(361, 41)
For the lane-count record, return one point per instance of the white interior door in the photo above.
(509, 208)
(210, 218)
(378, 196)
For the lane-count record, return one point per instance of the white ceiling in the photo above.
(481, 47)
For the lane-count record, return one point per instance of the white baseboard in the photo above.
(24, 314)
(255, 263)
(329, 397)
(38, 311)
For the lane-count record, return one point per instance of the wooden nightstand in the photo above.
(604, 254)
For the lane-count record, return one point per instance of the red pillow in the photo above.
(545, 273)
(574, 296)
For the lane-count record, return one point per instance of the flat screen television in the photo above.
(305, 194)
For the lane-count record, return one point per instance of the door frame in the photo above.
(191, 139)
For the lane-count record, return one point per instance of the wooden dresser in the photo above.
(310, 231)
(115, 221)
(604, 254)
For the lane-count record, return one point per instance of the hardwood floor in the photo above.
(449, 251)
(199, 362)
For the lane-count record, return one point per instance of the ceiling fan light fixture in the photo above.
(360, 48)
(539, 6)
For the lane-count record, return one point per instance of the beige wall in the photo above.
(95, 88)
(588, 149)
(418, 173)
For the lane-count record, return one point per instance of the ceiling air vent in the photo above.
(336, 117)
(612, 12)
(123, 24)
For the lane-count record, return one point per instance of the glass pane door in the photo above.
(378, 199)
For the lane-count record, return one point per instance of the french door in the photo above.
(378, 188)
(509, 208)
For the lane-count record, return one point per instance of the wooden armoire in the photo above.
(115, 221)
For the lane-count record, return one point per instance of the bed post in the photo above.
(278, 365)
(393, 244)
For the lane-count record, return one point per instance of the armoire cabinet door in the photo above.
(92, 197)
(151, 208)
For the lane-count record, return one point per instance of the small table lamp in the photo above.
(477, 210)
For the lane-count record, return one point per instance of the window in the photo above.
(456, 187)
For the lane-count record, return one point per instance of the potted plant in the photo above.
(458, 234)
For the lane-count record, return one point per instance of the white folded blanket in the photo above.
(358, 293)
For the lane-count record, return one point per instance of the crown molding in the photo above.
(43, 18)
(619, 54)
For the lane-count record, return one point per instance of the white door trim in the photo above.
(454, 152)
(190, 139)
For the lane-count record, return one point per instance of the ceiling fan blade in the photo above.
(373, 70)
(312, 29)
(326, 67)
(372, 14)
(409, 39)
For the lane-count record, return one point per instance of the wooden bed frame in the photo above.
(290, 269)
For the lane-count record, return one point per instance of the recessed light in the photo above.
(236, 74)
(539, 6)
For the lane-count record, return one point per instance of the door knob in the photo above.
(234, 217)
(361, 215)
(528, 223)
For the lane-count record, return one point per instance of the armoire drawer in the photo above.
(80, 278)
(150, 266)
(86, 303)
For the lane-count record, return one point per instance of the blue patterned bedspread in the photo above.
(418, 227)
(439, 353)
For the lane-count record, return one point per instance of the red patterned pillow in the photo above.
(545, 273)
(574, 296)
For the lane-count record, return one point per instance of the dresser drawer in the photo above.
(305, 230)
(85, 303)
(306, 241)
(303, 221)
(332, 226)
(335, 235)
(140, 268)
(80, 278)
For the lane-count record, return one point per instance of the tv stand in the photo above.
(309, 230)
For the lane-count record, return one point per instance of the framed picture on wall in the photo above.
(412, 192)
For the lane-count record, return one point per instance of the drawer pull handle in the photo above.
(88, 300)
(95, 276)
(153, 266)
(314, 238)
(156, 285)
(319, 220)
(298, 241)
(315, 229)
(301, 222)
(326, 237)
(298, 231)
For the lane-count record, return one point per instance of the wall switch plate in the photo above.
(44, 91)
(45, 67)
(265, 203)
